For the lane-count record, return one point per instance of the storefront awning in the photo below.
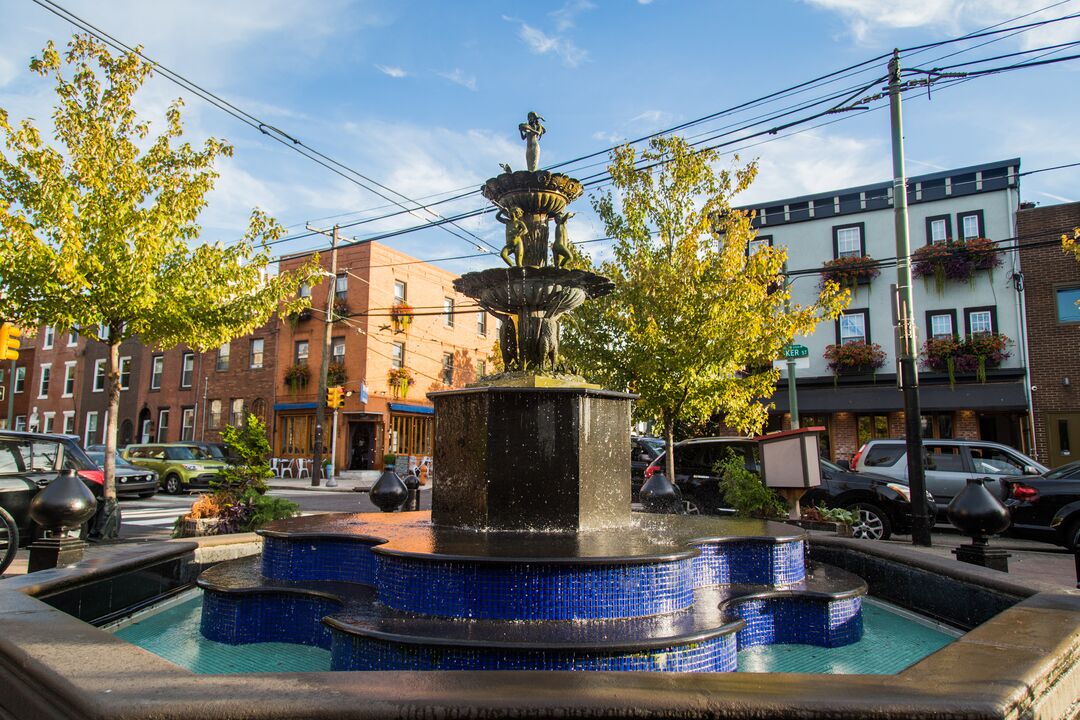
(278, 407)
(1001, 396)
(417, 409)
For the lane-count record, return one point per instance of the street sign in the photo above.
(796, 351)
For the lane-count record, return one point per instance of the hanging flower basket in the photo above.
(401, 314)
(400, 380)
(956, 260)
(341, 310)
(972, 355)
(297, 376)
(336, 374)
(850, 272)
(855, 358)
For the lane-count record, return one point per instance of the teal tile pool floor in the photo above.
(891, 641)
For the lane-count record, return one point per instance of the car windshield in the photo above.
(656, 445)
(1065, 472)
(98, 456)
(831, 466)
(215, 452)
(185, 453)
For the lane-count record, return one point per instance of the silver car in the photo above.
(948, 464)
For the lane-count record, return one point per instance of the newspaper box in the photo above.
(790, 463)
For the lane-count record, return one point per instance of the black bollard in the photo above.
(64, 505)
(978, 514)
(389, 492)
(412, 482)
(659, 495)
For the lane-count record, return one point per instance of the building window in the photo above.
(237, 414)
(448, 368)
(99, 375)
(871, 427)
(341, 287)
(20, 422)
(256, 353)
(20, 379)
(73, 337)
(187, 369)
(399, 291)
(187, 424)
(938, 229)
(300, 355)
(157, 369)
(481, 323)
(757, 243)
(448, 311)
(970, 224)
(48, 335)
(980, 320)
(397, 356)
(258, 408)
(90, 431)
(481, 368)
(337, 350)
(215, 413)
(941, 324)
(163, 425)
(69, 379)
(1067, 309)
(937, 425)
(410, 434)
(222, 363)
(43, 382)
(125, 373)
(853, 326)
(69, 422)
(103, 332)
(848, 240)
(49, 426)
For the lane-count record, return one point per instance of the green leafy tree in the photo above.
(695, 320)
(101, 231)
(251, 446)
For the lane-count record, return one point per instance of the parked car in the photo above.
(218, 451)
(948, 465)
(180, 466)
(1048, 507)
(29, 462)
(130, 479)
(643, 450)
(882, 505)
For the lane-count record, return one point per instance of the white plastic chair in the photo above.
(303, 467)
(284, 465)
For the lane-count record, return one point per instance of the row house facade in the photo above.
(385, 358)
(847, 384)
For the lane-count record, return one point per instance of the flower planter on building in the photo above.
(956, 260)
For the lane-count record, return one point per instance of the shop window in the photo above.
(872, 427)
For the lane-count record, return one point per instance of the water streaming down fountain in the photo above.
(530, 558)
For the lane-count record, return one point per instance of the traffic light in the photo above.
(335, 396)
(9, 341)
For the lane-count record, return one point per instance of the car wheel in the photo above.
(1072, 537)
(173, 486)
(689, 507)
(871, 522)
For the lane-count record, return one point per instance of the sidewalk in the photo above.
(347, 481)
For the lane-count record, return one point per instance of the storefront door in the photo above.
(1063, 431)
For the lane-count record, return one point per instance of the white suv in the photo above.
(948, 464)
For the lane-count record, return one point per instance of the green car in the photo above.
(181, 466)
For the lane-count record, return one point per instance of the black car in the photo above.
(881, 503)
(1048, 507)
(130, 479)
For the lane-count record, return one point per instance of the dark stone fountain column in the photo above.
(536, 242)
(520, 459)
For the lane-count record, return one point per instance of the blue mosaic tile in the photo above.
(800, 620)
(318, 559)
(534, 591)
(252, 618)
(350, 652)
(749, 563)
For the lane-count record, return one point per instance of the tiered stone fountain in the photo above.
(530, 558)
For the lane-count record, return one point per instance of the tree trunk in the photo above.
(669, 438)
(112, 387)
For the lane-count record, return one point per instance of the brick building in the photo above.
(1052, 288)
(179, 394)
(15, 407)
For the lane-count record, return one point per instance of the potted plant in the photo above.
(401, 315)
(388, 461)
(850, 272)
(954, 260)
(854, 358)
(820, 517)
(341, 310)
(202, 519)
(400, 380)
(336, 373)
(973, 354)
(297, 376)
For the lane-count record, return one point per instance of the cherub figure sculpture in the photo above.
(516, 229)
(530, 133)
(561, 250)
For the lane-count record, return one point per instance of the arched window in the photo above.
(258, 408)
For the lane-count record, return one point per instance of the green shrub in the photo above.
(250, 445)
(837, 515)
(388, 460)
(744, 491)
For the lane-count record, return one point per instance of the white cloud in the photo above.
(565, 16)
(643, 123)
(866, 19)
(541, 43)
(458, 76)
(392, 71)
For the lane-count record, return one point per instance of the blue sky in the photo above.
(425, 97)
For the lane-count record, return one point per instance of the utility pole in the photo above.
(792, 393)
(907, 344)
(320, 400)
(11, 398)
